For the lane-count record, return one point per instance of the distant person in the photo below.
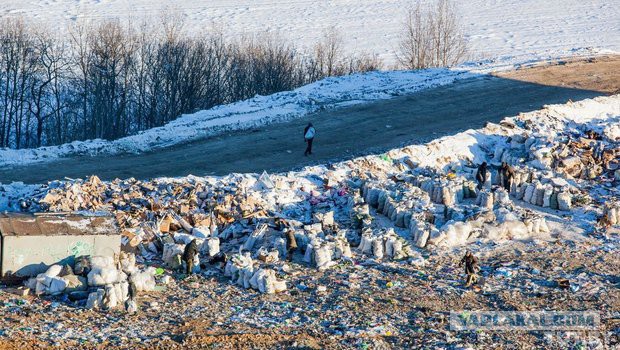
(220, 258)
(599, 151)
(506, 175)
(131, 305)
(291, 243)
(309, 137)
(189, 254)
(471, 267)
(481, 175)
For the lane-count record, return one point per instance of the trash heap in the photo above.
(247, 273)
(558, 164)
(236, 216)
(611, 214)
(449, 210)
(384, 244)
(102, 281)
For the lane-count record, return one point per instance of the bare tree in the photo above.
(81, 66)
(45, 90)
(112, 56)
(415, 40)
(449, 41)
(18, 61)
(328, 53)
(363, 63)
(432, 36)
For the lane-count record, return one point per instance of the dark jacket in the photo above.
(471, 263)
(190, 251)
(291, 242)
(481, 174)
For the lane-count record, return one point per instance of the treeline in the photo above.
(111, 80)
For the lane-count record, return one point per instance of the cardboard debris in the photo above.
(19, 291)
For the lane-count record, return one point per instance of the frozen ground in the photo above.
(515, 28)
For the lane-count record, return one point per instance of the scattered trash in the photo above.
(563, 283)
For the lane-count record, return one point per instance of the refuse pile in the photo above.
(351, 252)
(99, 281)
(323, 251)
(384, 244)
(572, 150)
(224, 216)
(437, 205)
(247, 273)
(449, 210)
(611, 214)
(556, 165)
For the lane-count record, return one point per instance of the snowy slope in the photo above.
(519, 28)
(260, 110)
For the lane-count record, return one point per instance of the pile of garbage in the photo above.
(247, 273)
(611, 214)
(99, 281)
(384, 244)
(459, 211)
(558, 163)
(226, 217)
(579, 152)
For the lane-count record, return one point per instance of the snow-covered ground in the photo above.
(516, 28)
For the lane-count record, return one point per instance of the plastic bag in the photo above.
(564, 201)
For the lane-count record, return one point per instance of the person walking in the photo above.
(481, 175)
(309, 132)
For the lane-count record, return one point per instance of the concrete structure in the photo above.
(31, 243)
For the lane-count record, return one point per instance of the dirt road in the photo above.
(351, 131)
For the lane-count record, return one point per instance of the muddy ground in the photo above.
(597, 74)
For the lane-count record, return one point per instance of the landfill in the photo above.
(377, 241)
